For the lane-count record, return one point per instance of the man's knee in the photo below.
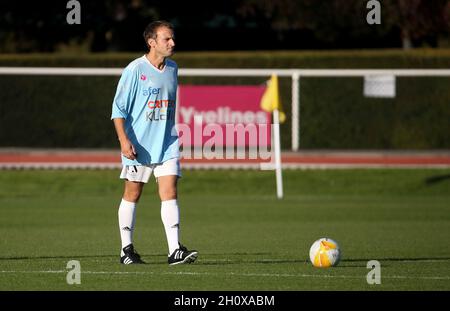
(132, 193)
(131, 196)
(167, 193)
(167, 187)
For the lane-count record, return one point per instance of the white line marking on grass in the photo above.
(44, 271)
(277, 275)
(338, 276)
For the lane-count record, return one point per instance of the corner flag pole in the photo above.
(270, 102)
(277, 147)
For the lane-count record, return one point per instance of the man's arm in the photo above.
(126, 147)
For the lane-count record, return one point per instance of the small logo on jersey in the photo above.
(143, 77)
(151, 91)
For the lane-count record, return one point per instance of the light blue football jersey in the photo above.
(146, 99)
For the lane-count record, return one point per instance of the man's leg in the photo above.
(170, 213)
(126, 211)
(168, 174)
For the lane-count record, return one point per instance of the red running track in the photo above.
(55, 159)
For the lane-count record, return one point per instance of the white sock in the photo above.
(126, 222)
(170, 215)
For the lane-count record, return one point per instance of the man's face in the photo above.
(164, 42)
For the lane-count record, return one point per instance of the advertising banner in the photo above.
(222, 116)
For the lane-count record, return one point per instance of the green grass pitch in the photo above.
(246, 238)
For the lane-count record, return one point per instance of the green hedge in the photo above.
(421, 58)
(74, 111)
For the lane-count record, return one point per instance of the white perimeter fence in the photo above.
(294, 74)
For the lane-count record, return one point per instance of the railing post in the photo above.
(295, 110)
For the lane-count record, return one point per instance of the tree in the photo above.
(416, 20)
(420, 20)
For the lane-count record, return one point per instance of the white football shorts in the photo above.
(142, 173)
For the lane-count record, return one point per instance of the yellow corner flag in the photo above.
(271, 98)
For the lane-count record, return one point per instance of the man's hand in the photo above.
(127, 149)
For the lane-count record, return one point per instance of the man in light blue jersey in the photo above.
(143, 113)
